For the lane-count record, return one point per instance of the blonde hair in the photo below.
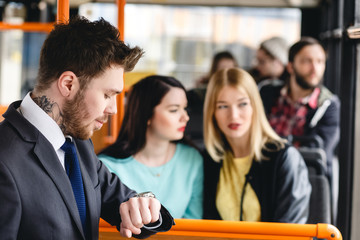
(261, 132)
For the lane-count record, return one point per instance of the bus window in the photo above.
(181, 40)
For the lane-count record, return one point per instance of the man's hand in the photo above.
(137, 212)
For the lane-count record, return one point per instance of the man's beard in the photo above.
(74, 114)
(300, 80)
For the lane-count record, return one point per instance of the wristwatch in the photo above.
(145, 194)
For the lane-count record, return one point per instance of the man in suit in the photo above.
(81, 72)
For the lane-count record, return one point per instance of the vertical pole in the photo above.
(117, 119)
(63, 11)
(121, 17)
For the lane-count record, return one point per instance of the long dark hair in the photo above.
(144, 96)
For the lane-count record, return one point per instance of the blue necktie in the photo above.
(72, 167)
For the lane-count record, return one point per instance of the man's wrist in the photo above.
(157, 224)
(145, 194)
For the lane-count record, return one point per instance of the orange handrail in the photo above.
(2, 111)
(28, 26)
(63, 11)
(241, 230)
(117, 118)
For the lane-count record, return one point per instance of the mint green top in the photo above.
(178, 184)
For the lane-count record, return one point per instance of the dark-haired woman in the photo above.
(150, 153)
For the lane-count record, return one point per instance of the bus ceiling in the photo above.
(245, 3)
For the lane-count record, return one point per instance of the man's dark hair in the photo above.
(303, 42)
(218, 57)
(215, 64)
(144, 96)
(86, 48)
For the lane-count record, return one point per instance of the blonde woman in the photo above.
(251, 174)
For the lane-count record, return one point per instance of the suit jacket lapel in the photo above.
(48, 158)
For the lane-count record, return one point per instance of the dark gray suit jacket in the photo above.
(36, 198)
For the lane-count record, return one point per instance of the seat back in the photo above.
(320, 205)
(314, 141)
(315, 159)
(320, 199)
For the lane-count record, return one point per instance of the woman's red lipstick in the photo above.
(182, 129)
(233, 126)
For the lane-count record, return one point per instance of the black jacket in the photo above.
(280, 183)
(323, 121)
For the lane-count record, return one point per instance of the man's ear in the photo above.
(68, 84)
(289, 68)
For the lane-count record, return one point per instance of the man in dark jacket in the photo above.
(303, 107)
(52, 185)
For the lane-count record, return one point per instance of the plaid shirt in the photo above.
(288, 117)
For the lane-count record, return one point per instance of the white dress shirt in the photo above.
(52, 132)
(45, 124)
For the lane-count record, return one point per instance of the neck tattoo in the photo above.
(51, 108)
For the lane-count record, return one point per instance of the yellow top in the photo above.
(229, 191)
